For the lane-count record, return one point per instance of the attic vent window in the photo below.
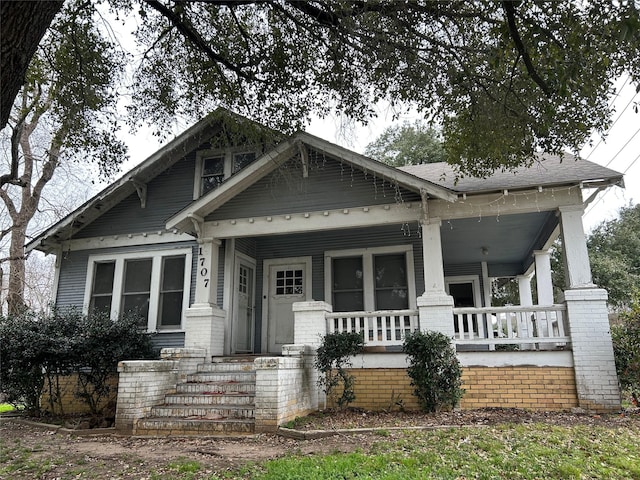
(214, 167)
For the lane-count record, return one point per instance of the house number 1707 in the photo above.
(204, 271)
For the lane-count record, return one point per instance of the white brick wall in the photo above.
(436, 313)
(596, 379)
(286, 387)
(309, 322)
(204, 328)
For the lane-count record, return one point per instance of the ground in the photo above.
(112, 456)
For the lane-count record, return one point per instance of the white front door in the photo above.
(289, 281)
(244, 301)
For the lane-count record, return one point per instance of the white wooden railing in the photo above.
(513, 325)
(533, 326)
(384, 327)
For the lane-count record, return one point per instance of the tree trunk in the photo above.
(23, 26)
(15, 290)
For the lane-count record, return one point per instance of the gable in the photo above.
(325, 183)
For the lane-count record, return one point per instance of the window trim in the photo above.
(156, 257)
(368, 284)
(227, 154)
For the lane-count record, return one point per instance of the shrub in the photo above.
(626, 348)
(37, 349)
(332, 360)
(434, 370)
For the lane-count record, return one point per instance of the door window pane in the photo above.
(348, 293)
(137, 287)
(390, 282)
(171, 292)
(102, 291)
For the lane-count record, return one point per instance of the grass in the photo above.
(534, 451)
(516, 452)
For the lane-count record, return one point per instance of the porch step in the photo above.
(218, 399)
(183, 427)
(210, 412)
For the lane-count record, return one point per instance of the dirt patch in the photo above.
(113, 456)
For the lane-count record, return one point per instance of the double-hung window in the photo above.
(214, 166)
(370, 279)
(153, 285)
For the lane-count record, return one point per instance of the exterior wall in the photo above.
(167, 194)
(329, 185)
(71, 404)
(528, 387)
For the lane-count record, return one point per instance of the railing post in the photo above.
(310, 324)
(436, 313)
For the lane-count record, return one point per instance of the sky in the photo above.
(619, 150)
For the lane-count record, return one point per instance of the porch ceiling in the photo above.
(505, 242)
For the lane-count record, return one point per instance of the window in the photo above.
(213, 167)
(154, 284)
(102, 287)
(370, 279)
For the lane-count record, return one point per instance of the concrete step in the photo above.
(217, 387)
(230, 398)
(209, 377)
(184, 427)
(208, 412)
(217, 367)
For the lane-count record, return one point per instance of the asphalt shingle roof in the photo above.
(548, 171)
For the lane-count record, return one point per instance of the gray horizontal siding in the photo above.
(329, 185)
(167, 194)
(168, 340)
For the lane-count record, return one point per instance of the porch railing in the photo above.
(384, 327)
(515, 325)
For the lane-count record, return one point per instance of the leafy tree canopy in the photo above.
(407, 144)
(504, 79)
(614, 251)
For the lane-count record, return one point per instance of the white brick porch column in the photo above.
(204, 318)
(595, 369)
(588, 318)
(435, 306)
(309, 323)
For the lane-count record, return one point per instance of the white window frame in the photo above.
(156, 257)
(227, 154)
(368, 283)
(474, 280)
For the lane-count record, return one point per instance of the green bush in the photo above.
(37, 349)
(434, 370)
(332, 360)
(626, 348)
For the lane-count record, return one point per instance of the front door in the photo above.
(242, 330)
(288, 282)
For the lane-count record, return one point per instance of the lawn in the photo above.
(525, 451)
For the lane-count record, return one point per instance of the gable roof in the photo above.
(548, 171)
(136, 178)
(275, 158)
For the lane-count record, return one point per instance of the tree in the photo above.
(407, 144)
(614, 251)
(504, 79)
(66, 110)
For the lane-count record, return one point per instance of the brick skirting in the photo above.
(530, 387)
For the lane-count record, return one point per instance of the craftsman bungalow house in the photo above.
(234, 240)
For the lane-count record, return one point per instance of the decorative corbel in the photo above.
(425, 205)
(141, 189)
(197, 222)
(304, 156)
